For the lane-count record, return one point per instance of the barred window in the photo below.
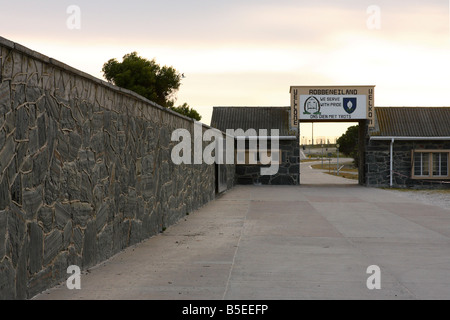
(440, 164)
(431, 164)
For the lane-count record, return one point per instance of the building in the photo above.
(260, 121)
(409, 147)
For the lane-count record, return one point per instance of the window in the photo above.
(440, 164)
(431, 164)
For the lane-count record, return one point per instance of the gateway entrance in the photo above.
(335, 104)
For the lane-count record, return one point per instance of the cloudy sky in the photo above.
(249, 52)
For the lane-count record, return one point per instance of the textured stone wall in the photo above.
(85, 171)
(377, 165)
(288, 173)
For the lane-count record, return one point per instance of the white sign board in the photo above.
(332, 103)
(338, 107)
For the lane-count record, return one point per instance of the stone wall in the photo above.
(85, 171)
(288, 173)
(377, 166)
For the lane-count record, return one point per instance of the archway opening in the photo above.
(324, 160)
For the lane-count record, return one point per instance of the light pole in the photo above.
(322, 156)
(337, 168)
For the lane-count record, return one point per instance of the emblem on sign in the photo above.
(312, 106)
(349, 105)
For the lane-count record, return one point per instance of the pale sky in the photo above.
(249, 52)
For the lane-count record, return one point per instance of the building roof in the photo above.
(412, 122)
(257, 118)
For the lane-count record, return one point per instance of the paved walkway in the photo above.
(282, 242)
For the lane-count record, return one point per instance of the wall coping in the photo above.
(60, 65)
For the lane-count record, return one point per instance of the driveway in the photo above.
(314, 241)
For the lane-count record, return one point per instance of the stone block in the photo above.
(7, 65)
(104, 243)
(40, 282)
(4, 192)
(5, 98)
(45, 217)
(36, 247)
(146, 185)
(16, 233)
(102, 215)
(131, 204)
(32, 200)
(97, 143)
(136, 234)
(81, 213)
(294, 169)
(2, 135)
(59, 268)
(86, 194)
(118, 241)
(52, 107)
(32, 94)
(67, 235)
(73, 258)
(147, 164)
(62, 215)
(140, 208)
(40, 167)
(33, 139)
(18, 95)
(71, 181)
(21, 272)
(77, 239)
(3, 225)
(7, 283)
(86, 159)
(52, 190)
(42, 130)
(7, 153)
(89, 245)
(74, 145)
(53, 244)
(21, 151)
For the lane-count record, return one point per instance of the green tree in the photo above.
(149, 79)
(187, 111)
(348, 143)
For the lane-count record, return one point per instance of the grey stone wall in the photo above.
(85, 171)
(288, 173)
(377, 166)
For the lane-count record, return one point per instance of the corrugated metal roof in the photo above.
(257, 118)
(413, 121)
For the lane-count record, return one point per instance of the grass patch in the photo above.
(348, 172)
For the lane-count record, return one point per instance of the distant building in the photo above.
(252, 120)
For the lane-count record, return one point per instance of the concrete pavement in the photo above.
(313, 241)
